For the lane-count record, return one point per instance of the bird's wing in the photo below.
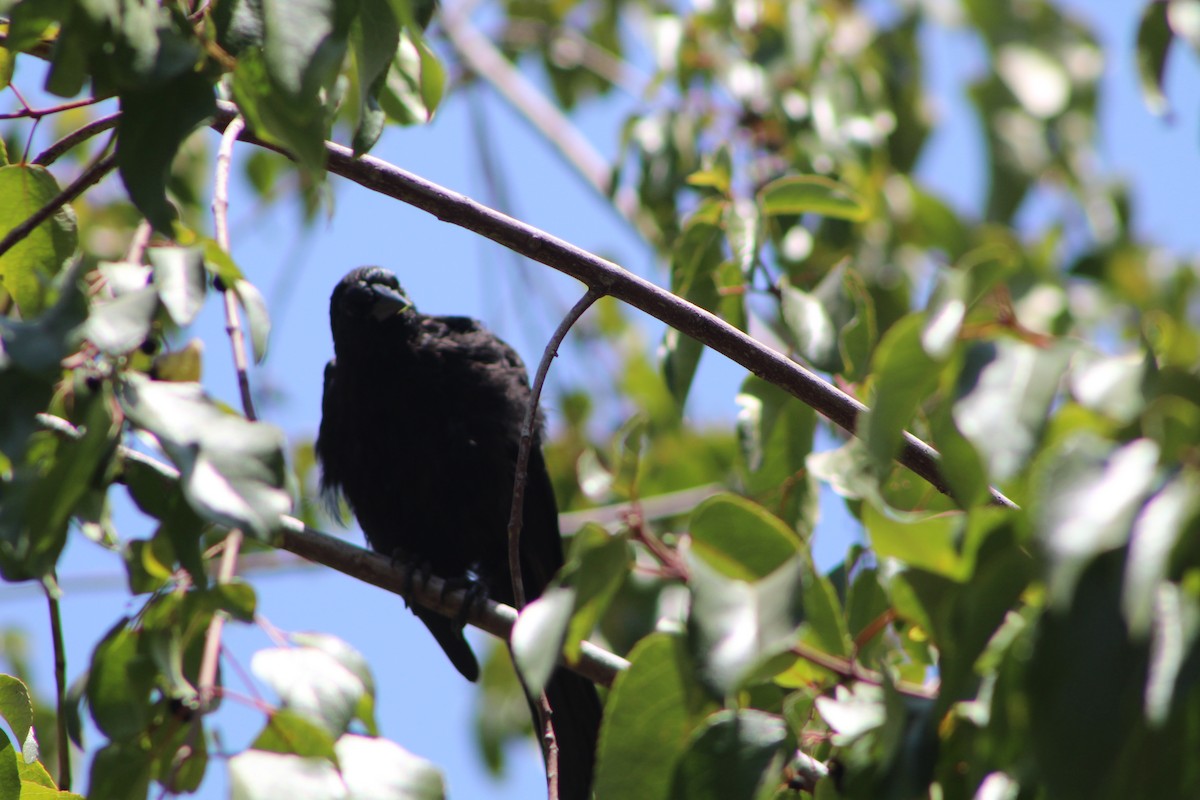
(327, 435)
(470, 340)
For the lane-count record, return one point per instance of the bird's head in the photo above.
(367, 298)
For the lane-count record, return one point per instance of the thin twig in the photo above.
(545, 711)
(854, 671)
(549, 744)
(89, 177)
(206, 685)
(54, 151)
(137, 244)
(703, 326)
(662, 506)
(60, 683)
(220, 202)
(220, 209)
(526, 446)
(37, 113)
(233, 541)
(393, 575)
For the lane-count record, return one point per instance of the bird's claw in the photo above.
(412, 571)
(475, 593)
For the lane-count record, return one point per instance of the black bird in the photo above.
(420, 426)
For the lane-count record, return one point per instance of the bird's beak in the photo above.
(387, 302)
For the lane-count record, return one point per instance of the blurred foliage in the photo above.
(771, 152)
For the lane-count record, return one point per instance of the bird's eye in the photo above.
(358, 298)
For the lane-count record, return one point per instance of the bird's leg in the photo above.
(475, 593)
(412, 569)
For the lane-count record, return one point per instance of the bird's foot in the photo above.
(413, 570)
(475, 594)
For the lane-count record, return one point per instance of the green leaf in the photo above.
(180, 280)
(16, 706)
(904, 375)
(119, 684)
(694, 262)
(737, 627)
(1113, 386)
(120, 771)
(1156, 531)
(120, 325)
(538, 635)
(813, 194)
(44, 492)
(824, 618)
(312, 683)
(237, 599)
(946, 313)
(283, 89)
(927, 542)
(1176, 643)
(1086, 683)
(257, 775)
(290, 733)
(340, 651)
(257, 317)
(734, 754)
(374, 38)
(153, 125)
(377, 769)
(649, 715)
(28, 267)
(8, 60)
(775, 434)
(1086, 497)
(414, 84)
(305, 44)
(239, 25)
(599, 562)
(1004, 394)
(1153, 46)
(740, 538)
(298, 125)
(232, 470)
(10, 777)
(811, 327)
(30, 22)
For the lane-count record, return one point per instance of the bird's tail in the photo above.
(576, 721)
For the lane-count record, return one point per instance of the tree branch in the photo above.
(52, 153)
(605, 276)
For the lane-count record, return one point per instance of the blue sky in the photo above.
(422, 703)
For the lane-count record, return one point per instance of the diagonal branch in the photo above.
(605, 276)
(522, 470)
